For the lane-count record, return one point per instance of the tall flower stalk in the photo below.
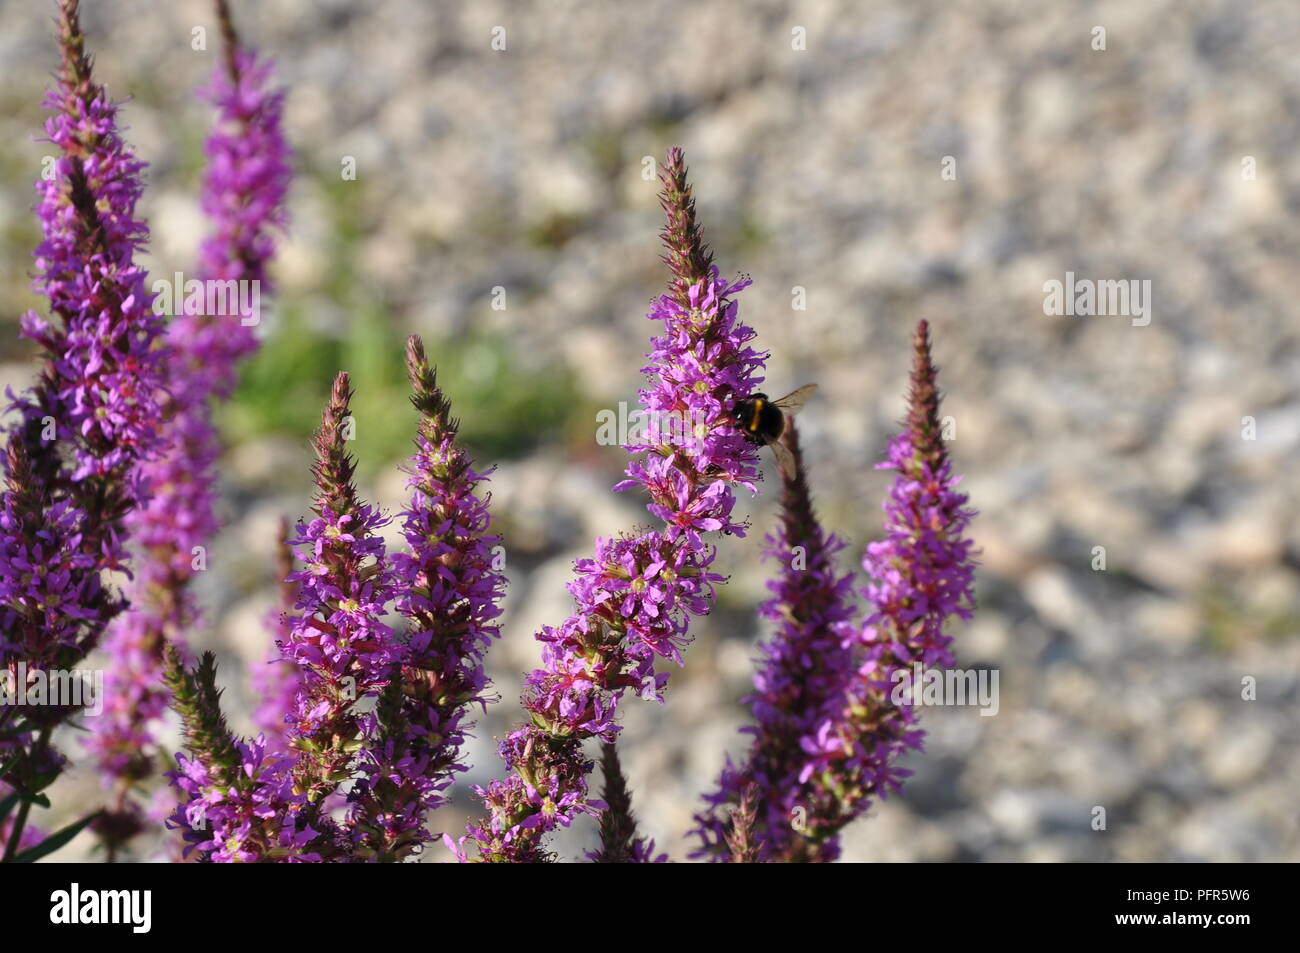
(827, 735)
(243, 196)
(801, 675)
(338, 637)
(71, 462)
(449, 586)
(379, 714)
(636, 594)
(241, 801)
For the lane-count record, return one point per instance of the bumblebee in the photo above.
(762, 421)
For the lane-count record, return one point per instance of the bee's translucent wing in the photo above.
(791, 403)
(784, 458)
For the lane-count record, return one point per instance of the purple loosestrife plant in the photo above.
(72, 461)
(240, 801)
(827, 735)
(378, 715)
(449, 585)
(338, 637)
(103, 369)
(244, 189)
(237, 803)
(363, 719)
(636, 595)
(802, 669)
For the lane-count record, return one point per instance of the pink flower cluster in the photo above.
(827, 735)
(244, 190)
(636, 595)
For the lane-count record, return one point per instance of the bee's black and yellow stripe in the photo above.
(756, 417)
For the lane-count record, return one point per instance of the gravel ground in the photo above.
(1171, 156)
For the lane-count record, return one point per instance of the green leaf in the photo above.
(55, 841)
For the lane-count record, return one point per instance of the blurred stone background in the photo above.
(818, 168)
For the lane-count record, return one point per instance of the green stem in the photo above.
(25, 807)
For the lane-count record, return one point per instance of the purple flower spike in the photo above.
(104, 370)
(449, 588)
(804, 667)
(91, 418)
(240, 800)
(338, 638)
(377, 718)
(636, 595)
(244, 191)
(827, 735)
